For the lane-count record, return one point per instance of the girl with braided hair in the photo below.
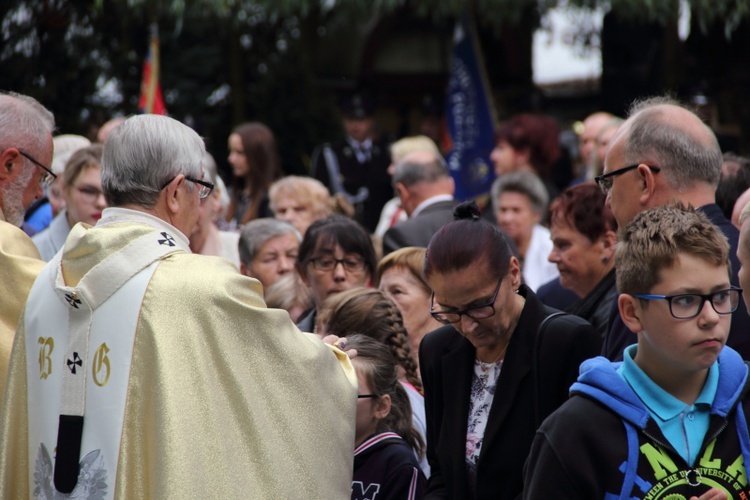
(371, 313)
(384, 436)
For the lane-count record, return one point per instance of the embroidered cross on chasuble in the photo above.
(188, 385)
(84, 368)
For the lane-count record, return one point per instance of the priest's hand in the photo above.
(340, 343)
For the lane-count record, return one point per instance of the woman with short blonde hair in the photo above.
(300, 201)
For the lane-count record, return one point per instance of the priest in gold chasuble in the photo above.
(141, 370)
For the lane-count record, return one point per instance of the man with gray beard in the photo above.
(25, 153)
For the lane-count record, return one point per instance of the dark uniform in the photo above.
(366, 184)
(359, 171)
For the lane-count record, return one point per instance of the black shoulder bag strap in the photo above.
(535, 363)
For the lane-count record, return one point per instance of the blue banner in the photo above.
(469, 116)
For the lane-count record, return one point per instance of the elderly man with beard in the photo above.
(25, 153)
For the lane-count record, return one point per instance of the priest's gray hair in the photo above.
(24, 123)
(143, 154)
(255, 233)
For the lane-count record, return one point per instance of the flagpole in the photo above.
(482, 68)
(470, 115)
(154, 76)
(483, 199)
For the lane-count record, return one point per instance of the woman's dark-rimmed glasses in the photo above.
(482, 311)
(329, 263)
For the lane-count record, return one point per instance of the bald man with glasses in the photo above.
(664, 152)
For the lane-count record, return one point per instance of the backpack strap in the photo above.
(535, 361)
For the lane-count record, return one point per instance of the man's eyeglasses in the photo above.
(48, 176)
(605, 180)
(474, 312)
(365, 396)
(328, 263)
(689, 305)
(205, 186)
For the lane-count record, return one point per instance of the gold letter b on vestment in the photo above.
(45, 362)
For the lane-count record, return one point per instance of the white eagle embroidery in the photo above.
(92, 478)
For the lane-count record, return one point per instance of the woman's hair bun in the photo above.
(466, 210)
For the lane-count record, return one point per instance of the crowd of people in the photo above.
(359, 333)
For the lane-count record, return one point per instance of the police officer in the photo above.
(356, 167)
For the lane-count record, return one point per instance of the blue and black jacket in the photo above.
(603, 443)
(385, 468)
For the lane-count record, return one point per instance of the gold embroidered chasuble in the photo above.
(19, 266)
(225, 398)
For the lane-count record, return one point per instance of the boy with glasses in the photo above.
(668, 421)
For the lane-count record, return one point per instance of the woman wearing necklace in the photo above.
(485, 389)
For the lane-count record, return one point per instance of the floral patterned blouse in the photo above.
(482, 393)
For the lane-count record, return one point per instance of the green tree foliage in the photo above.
(218, 68)
(52, 50)
(228, 61)
(246, 65)
(500, 12)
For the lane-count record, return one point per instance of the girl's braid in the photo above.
(398, 341)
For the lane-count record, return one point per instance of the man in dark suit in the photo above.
(664, 152)
(425, 188)
(357, 166)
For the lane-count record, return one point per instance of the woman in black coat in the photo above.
(492, 376)
(584, 232)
